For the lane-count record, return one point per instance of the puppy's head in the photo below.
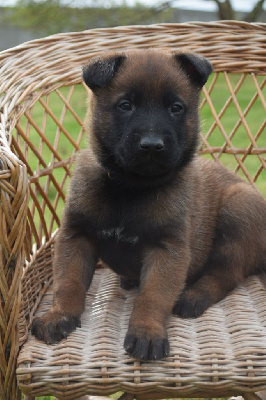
(144, 126)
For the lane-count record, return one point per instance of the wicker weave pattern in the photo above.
(92, 359)
(31, 75)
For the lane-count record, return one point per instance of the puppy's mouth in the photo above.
(149, 167)
(149, 170)
(138, 174)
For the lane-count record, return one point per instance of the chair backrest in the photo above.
(44, 102)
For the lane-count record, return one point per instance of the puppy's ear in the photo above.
(197, 67)
(99, 72)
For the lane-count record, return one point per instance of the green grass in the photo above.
(38, 123)
(254, 120)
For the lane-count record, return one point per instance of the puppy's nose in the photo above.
(151, 143)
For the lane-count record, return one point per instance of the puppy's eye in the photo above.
(176, 108)
(125, 106)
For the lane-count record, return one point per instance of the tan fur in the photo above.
(199, 235)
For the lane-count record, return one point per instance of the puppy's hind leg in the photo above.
(239, 249)
(208, 290)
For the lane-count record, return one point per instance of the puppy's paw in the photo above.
(54, 326)
(146, 349)
(191, 304)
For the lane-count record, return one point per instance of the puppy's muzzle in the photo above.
(151, 144)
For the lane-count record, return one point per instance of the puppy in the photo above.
(184, 229)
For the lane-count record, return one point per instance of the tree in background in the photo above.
(52, 16)
(226, 10)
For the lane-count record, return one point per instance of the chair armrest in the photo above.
(14, 197)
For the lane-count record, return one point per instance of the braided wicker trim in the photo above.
(14, 197)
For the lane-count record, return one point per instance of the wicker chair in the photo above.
(42, 109)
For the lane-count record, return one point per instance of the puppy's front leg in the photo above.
(74, 265)
(162, 280)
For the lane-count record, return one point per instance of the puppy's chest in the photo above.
(118, 234)
(121, 230)
(121, 248)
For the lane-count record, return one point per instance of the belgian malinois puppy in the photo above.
(184, 229)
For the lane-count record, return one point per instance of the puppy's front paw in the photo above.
(146, 349)
(191, 304)
(54, 326)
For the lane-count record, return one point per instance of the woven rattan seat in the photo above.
(42, 110)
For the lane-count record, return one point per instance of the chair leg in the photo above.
(262, 394)
(84, 398)
(93, 398)
(252, 396)
(126, 396)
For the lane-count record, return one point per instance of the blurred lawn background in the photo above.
(252, 120)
